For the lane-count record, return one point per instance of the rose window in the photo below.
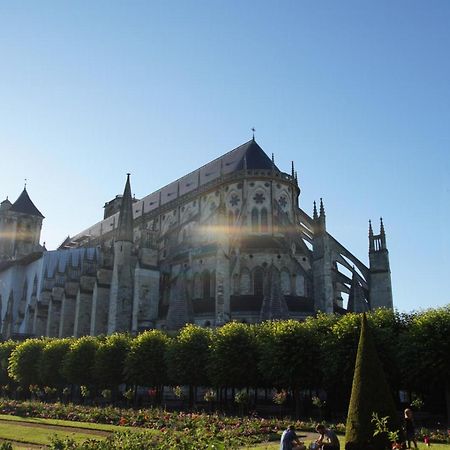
(259, 198)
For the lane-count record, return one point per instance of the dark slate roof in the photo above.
(24, 205)
(5, 204)
(249, 154)
(254, 156)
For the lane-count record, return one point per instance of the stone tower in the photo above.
(20, 227)
(322, 263)
(121, 293)
(380, 289)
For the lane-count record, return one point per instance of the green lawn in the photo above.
(30, 430)
(68, 423)
(40, 435)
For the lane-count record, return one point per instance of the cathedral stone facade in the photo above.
(226, 242)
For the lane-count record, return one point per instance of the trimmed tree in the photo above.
(24, 362)
(109, 365)
(6, 348)
(187, 358)
(51, 361)
(425, 350)
(289, 351)
(78, 363)
(145, 364)
(370, 395)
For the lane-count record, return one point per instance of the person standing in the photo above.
(327, 439)
(410, 428)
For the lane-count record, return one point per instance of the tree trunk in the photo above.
(447, 398)
(296, 395)
(191, 396)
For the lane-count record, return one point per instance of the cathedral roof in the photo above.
(24, 205)
(249, 155)
(5, 204)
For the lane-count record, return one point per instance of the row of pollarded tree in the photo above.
(318, 353)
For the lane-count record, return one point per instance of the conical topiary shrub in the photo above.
(370, 394)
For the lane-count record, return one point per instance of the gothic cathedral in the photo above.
(225, 242)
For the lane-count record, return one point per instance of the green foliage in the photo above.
(129, 394)
(6, 349)
(338, 347)
(370, 394)
(210, 396)
(241, 397)
(84, 391)
(417, 403)
(187, 356)
(178, 392)
(51, 362)
(233, 356)
(145, 364)
(279, 398)
(289, 354)
(425, 347)
(381, 427)
(106, 394)
(425, 350)
(78, 363)
(24, 362)
(109, 366)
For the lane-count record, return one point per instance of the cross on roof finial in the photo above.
(253, 130)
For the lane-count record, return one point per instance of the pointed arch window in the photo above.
(213, 284)
(197, 286)
(255, 219)
(258, 282)
(285, 282)
(236, 284)
(206, 282)
(244, 286)
(264, 221)
(300, 285)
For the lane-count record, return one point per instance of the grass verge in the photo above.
(40, 435)
(69, 423)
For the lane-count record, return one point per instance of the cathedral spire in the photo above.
(322, 209)
(321, 220)
(371, 241)
(382, 234)
(125, 228)
(315, 216)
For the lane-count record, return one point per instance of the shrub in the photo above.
(370, 394)
(24, 362)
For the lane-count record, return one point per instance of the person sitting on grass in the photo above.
(327, 439)
(289, 440)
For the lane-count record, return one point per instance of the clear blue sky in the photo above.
(356, 93)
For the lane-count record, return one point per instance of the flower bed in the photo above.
(196, 428)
